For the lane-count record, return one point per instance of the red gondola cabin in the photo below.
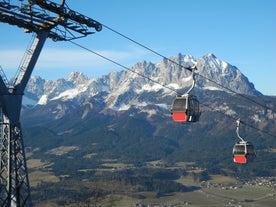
(242, 151)
(185, 109)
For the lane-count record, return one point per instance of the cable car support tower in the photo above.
(45, 19)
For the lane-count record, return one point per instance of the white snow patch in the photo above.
(189, 61)
(150, 112)
(187, 79)
(212, 88)
(163, 106)
(142, 104)
(123, 107)
(173, 85)
(224, 64)
(71, 93)
(158, 64)
(148, 87)
(43, 100)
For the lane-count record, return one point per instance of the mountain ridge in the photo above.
(85, 129)
(77, 86)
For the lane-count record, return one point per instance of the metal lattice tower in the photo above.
(45, 19)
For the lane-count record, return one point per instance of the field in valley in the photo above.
(218, 191)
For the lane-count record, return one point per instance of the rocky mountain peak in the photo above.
(77, 77)
(123, 88)
(224, 74)
(34, 86)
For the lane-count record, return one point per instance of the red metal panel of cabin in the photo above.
(179, 116)
(240, 159)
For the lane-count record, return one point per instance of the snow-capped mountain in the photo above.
(123, 88)
(123, 117)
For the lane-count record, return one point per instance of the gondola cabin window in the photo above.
(239, 150)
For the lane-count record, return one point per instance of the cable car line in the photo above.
(239, 94)
(147, 48)
(174, 62)
(165, 86)
(127, 68)
(234, 119)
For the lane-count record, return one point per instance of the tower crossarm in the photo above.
(36, 15)
(29, 61)
(65, 12)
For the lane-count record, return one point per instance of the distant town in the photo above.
(269, 182)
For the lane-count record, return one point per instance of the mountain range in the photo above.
(146, 90)
(122, 88)
(137, 102)
(78, 125)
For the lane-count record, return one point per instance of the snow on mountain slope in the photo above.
(225, 74)
(125, 88)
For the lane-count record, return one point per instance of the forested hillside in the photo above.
(121, 138)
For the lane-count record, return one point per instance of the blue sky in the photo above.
(240, 32)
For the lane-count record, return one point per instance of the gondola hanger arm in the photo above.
(238, 129)
(192, 69)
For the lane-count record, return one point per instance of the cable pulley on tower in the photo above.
(68, 13)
